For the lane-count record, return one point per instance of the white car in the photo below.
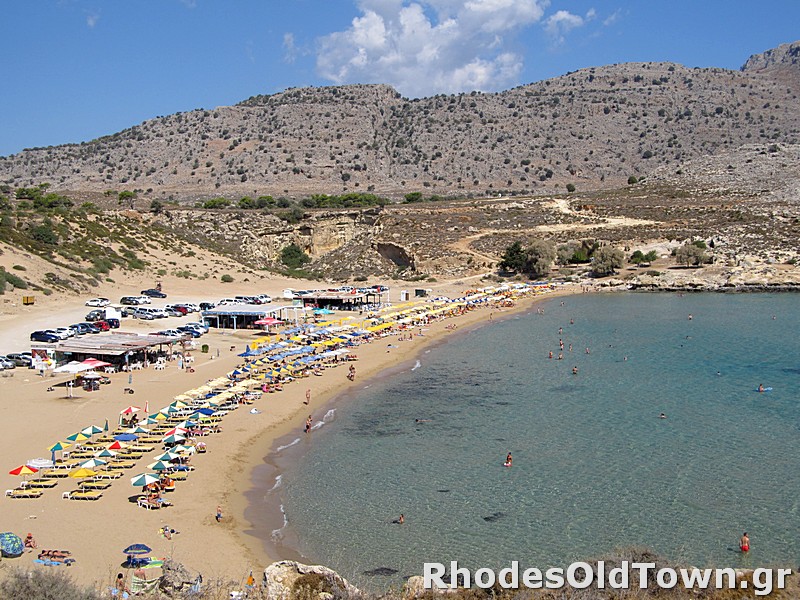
(202, 327)
(62, 335)
(66, 331)
(100, 302)
(264, 298)
(225, 301)
(144, 299)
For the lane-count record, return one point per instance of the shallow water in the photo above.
(595, 468)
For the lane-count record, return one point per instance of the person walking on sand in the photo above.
(744, 543)
(218, 515)
(308, 396)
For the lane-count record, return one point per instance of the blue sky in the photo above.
(74, 70)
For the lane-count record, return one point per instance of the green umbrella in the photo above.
(173, 439)
(59, 446)
(160, 465)
(168, 456)
(144, 479)
(138, 429)
(78, 437)
(106, 453)
(91, 430)
(93, 463)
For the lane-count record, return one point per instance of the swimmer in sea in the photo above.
(422, 420)
(662, 416)
(508, 460)
(401, 519)
(744, 543)
(575, 370)
(760, 387)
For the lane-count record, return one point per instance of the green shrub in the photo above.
(226, 278)
(570, 187)
(19, 268)
(41, 584)
(293, 256)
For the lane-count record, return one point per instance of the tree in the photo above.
(413, 197)
(127, 196)
(293, 256)
(535, 260)
(156, 207)
(606, 259)
(690, 255)
(513, 259)
(540, 256)
(632, 179)
(637, 257)
(570, 187)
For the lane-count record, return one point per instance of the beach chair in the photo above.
(88, 495)
(24, 493)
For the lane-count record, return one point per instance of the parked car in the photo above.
(91, 327)
(61, 335)
(65, 330)
(21, 359)
(113, 323)
(95, 315)
(144, 299)
(102, 325)
(380, 288)
(43, 336)
(145, 315)
(191, 307)
(207, 305)
(189, 331)
(247, 300)
(130, 300)
(177, 307)
(226, 301)
(265, 298)
(173, 312)
(153, 293)
(198, 325)
(98, 302)
(7, 363)
(79, 329)
(172, 332)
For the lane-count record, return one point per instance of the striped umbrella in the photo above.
(144, 479)
(92, 463)
(78, 437)
(91, 430)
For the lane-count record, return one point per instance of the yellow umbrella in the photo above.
(82, 472)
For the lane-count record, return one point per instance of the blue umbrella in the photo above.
(10, 545)
(126, 437)
(204, 411)
(135, 549)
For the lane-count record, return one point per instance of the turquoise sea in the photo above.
(594, 468)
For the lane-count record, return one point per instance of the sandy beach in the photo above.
(96, 532)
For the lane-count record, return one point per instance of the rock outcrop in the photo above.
(288, 579)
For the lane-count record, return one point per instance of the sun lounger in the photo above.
(88, 495)
(108, 475)
(94, 485)
(24, 493)
(42, 483)
(145, 503)
(123, 464)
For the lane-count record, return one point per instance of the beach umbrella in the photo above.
(11, 545)
(204, 411)
(40, 463)
(91, 430)
(182, 449)
(138, 429)
(179, 404)
(126, 437)
(77, 437)
(105, 427)
(129, 410)
(137, 550)
(151, 421)
(115, 446)
(23, 470)
(160, 465)
(173, 439)
(92, 463)
(183, 397)
(82, 472)
(105, 453)
(57, 447)
(144, 479)
(167, 410)
(168, 456)
(175, 431)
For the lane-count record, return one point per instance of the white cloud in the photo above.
(424, 47)
(560, 23)
(289, 48)
(613, 18)
(92, 19)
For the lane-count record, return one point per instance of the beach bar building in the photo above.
(244, 316)
(117, 347)
(339, 300)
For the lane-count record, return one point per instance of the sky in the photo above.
(75, 70)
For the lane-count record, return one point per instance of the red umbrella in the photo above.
(23, 470)
(116, 446)
(130, 410)
(268, 321)
(95, 363)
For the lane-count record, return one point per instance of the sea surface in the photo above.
(595, 468)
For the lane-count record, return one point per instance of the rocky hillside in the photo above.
(592, 128)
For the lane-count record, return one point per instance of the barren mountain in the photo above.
(592, 128)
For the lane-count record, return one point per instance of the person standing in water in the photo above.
(508, 459)
(744, 543)
(308, 424)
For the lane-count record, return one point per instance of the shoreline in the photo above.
(262, 511)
